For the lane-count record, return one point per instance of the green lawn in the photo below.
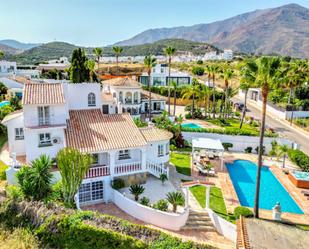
(182, 163)
(233, 123)
(3, 166)
(3, 139)
(216, 201)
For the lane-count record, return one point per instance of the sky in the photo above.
(103, 22)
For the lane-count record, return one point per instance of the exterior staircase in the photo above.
(199, 220)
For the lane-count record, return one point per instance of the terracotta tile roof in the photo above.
(154, 96)
(12, 115)
(43, 93)
(91, 131)
(107, 97)
(123, 82)
(152, 134)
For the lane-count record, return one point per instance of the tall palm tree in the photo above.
(204, 95)
(214, 69)
(191, 92)
(117, 50)
(283, 152)
(227, 74)
(98, 53)
(169, 52)
(266, 71)
(174, 85)
(90, 66)
(149, 63)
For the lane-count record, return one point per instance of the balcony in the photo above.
(127, 168)
(98, 171)
(51, 121)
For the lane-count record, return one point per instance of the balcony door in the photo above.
(44, 115)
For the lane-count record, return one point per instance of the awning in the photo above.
(207, 143)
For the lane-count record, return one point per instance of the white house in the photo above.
(159, 76)
(7, 68)
(125, 95)
(58, 115)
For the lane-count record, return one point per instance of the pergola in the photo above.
(213, 146)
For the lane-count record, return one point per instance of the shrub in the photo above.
(237, 114)
(199, 62)
(163, 178)
(3, 168)
(227, 146)
(243, 211)
(299, 158)
(56, 192)
(248, 150)
(136, 190)
(14, 193)
(258, 148)
(188, 116)
(118, 183)
(145, 201)
(161, 205)
(139, 123)
(198, 70)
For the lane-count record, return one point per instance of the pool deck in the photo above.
(231, 199)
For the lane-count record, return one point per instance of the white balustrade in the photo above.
(122, 169)
(98, 171)
(157, 169)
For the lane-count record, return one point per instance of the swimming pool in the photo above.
(243, 175)
(3, 103)
(191, 126)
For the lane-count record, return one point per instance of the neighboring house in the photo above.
(159, 76)
(7, 68)
(14, 88)
(59, 115)
(121, 95)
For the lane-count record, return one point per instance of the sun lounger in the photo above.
(306, 193)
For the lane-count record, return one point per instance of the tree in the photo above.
(137, 190)
(90, 66)
(266, 71)
(199, 71)
(79, 71)
(174, 85)
(191, 92)
(117, 50)
(284, 149)
(1, 54)
(3, 89)
(176, 199)
(169, 52)
(15, 103)
(227, 74)
(149, 63)
(163, 178)
(214, 69)
(35, 181)
(98, 53)
(73, 166)
(204, 96)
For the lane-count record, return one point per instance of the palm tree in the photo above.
(227, 74)
(204, 95)
(265, 70)
(283, 152)
(117, 50)
(163, 178)
(1, 54)
(230, 92)
(90, 66)
(149, 63)
(214, 69)
(176, 199)
(137, 190)
(169, 52)
(190, 92)
(174, 85)
(98, 53)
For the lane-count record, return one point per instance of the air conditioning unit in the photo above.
(56, 140)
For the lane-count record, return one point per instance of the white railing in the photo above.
(48, 121)
(98, 171)
(122, 169)
(157, 169)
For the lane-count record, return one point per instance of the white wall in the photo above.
(152, 152)
(77, 95)
(33, 150)
(155, 217)
(297, 114)
(16, 146)
(240, 143)
(227, 229)
(135, 155)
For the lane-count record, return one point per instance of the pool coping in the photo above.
(231, 198)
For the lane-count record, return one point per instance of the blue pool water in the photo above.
(243, 175)
(191, 126)
(301, 175)
(3, 103)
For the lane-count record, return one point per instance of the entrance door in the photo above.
(91, 192)
(105, 109)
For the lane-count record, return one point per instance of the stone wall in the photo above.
(129, 180)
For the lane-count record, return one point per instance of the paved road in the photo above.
(282, 128)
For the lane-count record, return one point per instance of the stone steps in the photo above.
(199, 220)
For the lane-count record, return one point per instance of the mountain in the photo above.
(19, 45)
(9, 50)
(54, 50)
(283, 30)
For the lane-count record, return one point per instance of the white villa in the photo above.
(58, 115)
(125, 95)
(159, 76)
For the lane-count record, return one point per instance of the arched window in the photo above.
(91, 99)
(120, 97)
(135, 97)
(128, 99)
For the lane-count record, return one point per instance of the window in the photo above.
(167, 149)
(124, 154)
(44, 139)
(160, 150)
(135, 97)
(91, 99)
(120, 97)
(162, 70)
(95, 159)
(44, 115)
(19, 134)
(91, 191)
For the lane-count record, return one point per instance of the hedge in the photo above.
(3, 168)
(243, 211)
(59, 227)
(300, 159)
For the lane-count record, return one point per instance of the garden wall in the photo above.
(227, 229)
(171, 221)
(240, 143)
